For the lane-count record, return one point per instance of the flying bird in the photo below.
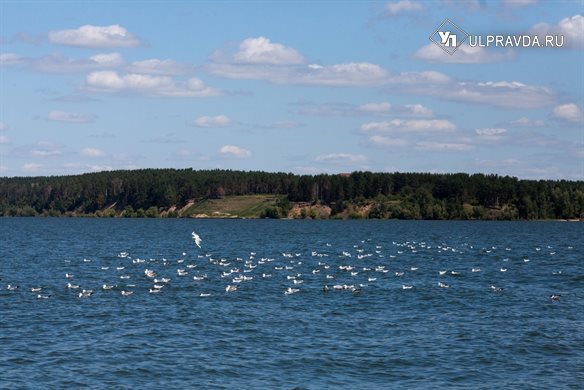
(197, 239)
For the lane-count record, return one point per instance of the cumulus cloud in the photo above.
(212, 121)
(234, 151)
(526, 122)
(10, 59)
(384, 141)
(497, 93)
(45, 152)
(353, 74)
(57, 63)
(70, 117)
(148, 85)
(31, 167)
(397, 7)
(160, 67)
(490, 133)
(443, 147)
(572, 28)
(261, 50)
(568, 112)
(411, 125)
(95, 37)
(518, 3)
(366, 109)
(471, 5)
(92, 152)
(341, 158)
(348, 74)
(465, 54)
(386, 108)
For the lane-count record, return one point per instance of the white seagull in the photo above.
(197, 239)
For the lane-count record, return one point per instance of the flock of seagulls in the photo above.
(354, 270)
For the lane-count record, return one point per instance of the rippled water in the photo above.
(379, 336)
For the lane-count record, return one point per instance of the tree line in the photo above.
(147, 192)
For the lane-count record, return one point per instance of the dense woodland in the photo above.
(155, 192)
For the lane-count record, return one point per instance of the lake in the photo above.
(418, 304)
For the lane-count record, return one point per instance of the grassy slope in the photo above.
(246, 206)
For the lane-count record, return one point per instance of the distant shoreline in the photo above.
(186, 193)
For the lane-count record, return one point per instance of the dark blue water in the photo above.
(368, 333)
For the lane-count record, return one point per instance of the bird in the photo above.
(555, 297)
(197, 239)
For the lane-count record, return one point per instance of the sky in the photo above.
(296, 86)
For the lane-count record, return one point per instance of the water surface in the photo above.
(371, 334)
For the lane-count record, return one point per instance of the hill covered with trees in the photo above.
(178, 193)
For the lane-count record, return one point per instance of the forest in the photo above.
(168, 192)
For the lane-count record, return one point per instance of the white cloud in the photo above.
(348, 74)
(3, 126)
(57, 63)
(45, 153)
(70, 117)
(4, 140)
(572, 28)
(285, 124)
(160, 67)
(411, 125)
(526, 122)
(94, 37)
(107, 59)
(261, 51)
(234, 151)
(471, 5)
(341, 158)
(352, 74)
(394, 8)
(518, 3)
(419, 110)
(568, 112)
(383, 141)
(491, 134)
(465, 54)
(9, 59)
(92, 152)
(31, 167)
(386, 108)
(500, 93)
(439, 146)
(376, 108)
(488, 132)
(212, 121)
(155, 86)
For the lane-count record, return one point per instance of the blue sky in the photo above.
(303, 87)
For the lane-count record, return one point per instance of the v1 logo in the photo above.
(447, 38)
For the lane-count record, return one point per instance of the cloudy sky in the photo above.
(303, 87)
